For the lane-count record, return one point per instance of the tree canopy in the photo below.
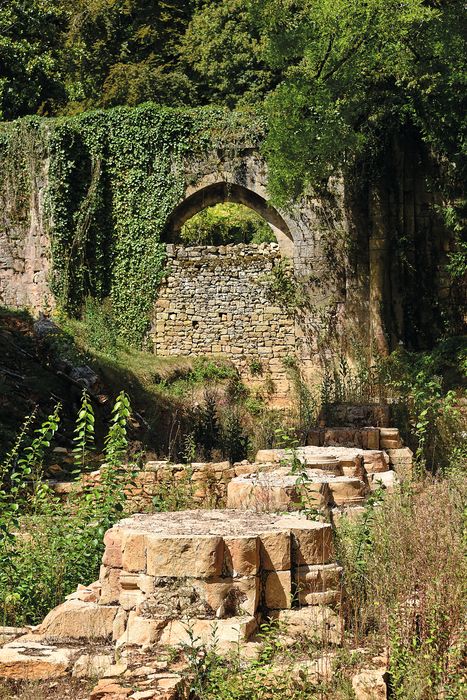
(353, 74)
(337, 78)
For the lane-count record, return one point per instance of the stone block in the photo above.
(130, 599)
(387, 480)
(141, 631)
(232, 630)
(330, 597)
(401, 460)
(241, 555)
(375, 460)
(313, 622)
(370, 685)
(133, 551)
(77, 620)
(346, 489)
(33, 661)
(92, 665)
(179, 556)
(230, 597)
(110, 585)
(370, 438)
(318, 578)
(278, 590)
(113, 548)
(312, 544)
(119, 624)
(275, 550)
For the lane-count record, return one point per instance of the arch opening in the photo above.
(223, 192)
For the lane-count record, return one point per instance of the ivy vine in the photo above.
(114, 177)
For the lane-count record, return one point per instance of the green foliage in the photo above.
(207, 429)
(83, 441)
(68, 58)
(226, 223)
(114, 179)
(30, 56)
(282, 288)
(172, 494)
(234, 437)
(355, 75)
(47, 547)
(101, 326)
(116, 441)
(221, 54)
(404, 574)
(422, 382)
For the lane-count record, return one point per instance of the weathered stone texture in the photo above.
(214, 301)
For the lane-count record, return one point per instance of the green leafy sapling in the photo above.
(116, 441)
(83, 440)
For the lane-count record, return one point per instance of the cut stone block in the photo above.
(312, 543)
(130, 599)
(197, 556)
(278, 490)
(77, 620)
(242, 555)
(92, 665)
(230, 597)
(275, 551)
(133, 551)
(113, 548)
(119, 624)
(401, 460)
(233, 630)
(370, 685)
(315, 622)
(370, 438)
(141, 631)
(330, 597)
(346, 489)
(278, 590)
(110, 585)
(387, 480)
(318, 578)
(34, 661)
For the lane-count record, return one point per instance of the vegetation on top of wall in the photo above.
(223, 223)
(114, 178)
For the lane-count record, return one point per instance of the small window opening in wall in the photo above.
(222, 316)
(195, 324)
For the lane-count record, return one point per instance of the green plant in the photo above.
(116, 441)
(48, 546)
(404, 572)
(234, 438)
(256, 367)
(207, 428)
(83, 441)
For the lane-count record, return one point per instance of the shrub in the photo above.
(47, 547)
(405, 574)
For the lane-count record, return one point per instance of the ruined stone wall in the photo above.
(213, 300)
(25, 246)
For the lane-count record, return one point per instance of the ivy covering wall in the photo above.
(112, 179)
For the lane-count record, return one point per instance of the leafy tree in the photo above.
(354, 74)
(221, 53)
(125, 52)
(226, 223)
(30, 70)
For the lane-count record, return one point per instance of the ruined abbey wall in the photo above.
(213, 300)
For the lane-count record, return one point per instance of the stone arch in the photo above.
(206, 195)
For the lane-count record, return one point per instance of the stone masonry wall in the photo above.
(213, 300)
